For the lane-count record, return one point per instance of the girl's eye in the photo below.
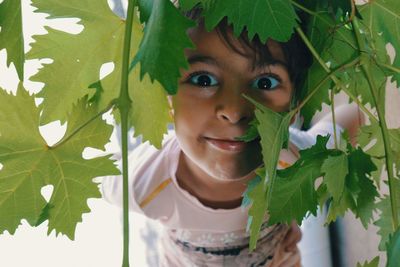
(203, 80)
(265, 83)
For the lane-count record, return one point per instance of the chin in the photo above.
(232, 175)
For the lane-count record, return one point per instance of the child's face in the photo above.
(210, 111)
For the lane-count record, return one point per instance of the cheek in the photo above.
(278, 101)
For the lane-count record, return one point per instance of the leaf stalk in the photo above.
(334, 117)
(319, 85)
(124, 105)
(337, 82)
(389, 67)
(77, 130)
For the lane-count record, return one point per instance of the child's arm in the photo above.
(348, 117)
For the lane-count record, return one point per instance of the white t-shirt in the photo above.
(194, 234)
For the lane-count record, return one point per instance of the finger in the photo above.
(292, 259)
(292, 238)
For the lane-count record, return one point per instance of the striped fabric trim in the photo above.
(284, 164)
(155, 192)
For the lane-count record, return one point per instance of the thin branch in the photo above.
(333, 77)
(327, 77)
(334, 117)
(304, 8)
(124, 105)
(389, 67)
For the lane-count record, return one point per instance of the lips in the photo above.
(227, 145)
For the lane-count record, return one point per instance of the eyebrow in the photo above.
(202, 59)
(276, 62)
(198, 58)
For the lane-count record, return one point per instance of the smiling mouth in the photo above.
(228, 145)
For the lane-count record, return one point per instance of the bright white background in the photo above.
(98, 239)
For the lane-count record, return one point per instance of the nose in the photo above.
(233, 108)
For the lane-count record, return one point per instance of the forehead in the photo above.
(213, 44)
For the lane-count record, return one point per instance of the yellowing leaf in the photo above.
(29, 164)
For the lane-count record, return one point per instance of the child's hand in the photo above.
(292, 238)
(287, 254)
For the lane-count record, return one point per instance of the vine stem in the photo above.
(389, 67)
(334, 117)
(333, 77)
(382, 123)
(77, 130)
(327, 77)
(124, 105)
(299, 6)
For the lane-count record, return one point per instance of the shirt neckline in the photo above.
(173, 163)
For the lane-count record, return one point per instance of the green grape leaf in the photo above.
(145, 7)
(314, 76)
(370, 139)
(257, 198)
(293, 194)
(318, 30)
(161, 60)
(382, 17)
(246, 201)
(150, 110)
(11, 35)
(384, 222)
(359, 192)
(29, 164)
(373, 263)
(274, 19)
(337, 46)
(393, 249)
(339, 208)
(186, 5)
(76, 69)
(251, 133)
(343, 5)
(360, 168)
(395, 148)
(75, 66)
(336, 169)
(274, 132)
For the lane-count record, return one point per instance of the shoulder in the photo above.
(148, 168)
